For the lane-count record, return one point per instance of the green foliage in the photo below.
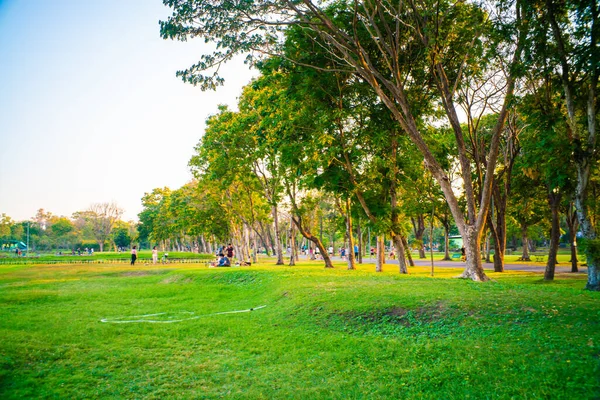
(121, 237)
(5, 224)
(591, 248)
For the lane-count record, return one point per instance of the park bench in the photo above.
(540, 257)
(456, 256)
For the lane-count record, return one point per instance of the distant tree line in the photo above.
(99, 227)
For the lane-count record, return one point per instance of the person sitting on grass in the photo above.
(215, 262)
(224, 261)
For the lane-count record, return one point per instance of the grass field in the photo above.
(323, 334)
(144, 256)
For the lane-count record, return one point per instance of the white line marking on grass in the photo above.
(170, 317)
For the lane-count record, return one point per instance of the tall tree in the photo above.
(103, 217)
(5, 224)
(575, 27)
(395, 49)
(150, 212)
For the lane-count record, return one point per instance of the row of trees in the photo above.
(96, 227)
(360, 101)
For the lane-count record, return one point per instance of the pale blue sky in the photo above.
(90, 108)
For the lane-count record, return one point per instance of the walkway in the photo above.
(528, 267)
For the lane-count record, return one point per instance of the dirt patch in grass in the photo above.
(406, 316)
(144, 272)
(181, 279)
(393, 320)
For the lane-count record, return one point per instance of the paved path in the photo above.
(529, 267)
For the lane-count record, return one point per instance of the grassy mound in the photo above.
(323, 333)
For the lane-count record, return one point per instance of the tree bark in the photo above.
(279, 250)
(255, 248)
(359, 235)
(419, 230)
(585, 149)
(268, 239)
(292, 244)
(401, 251)
(554, 202)
(473, 269)
(350, 251)
(525, 240)
(380, 254)
(308, 235)
(573, 225)
(395, 228)
(446, 241)
(407, 251)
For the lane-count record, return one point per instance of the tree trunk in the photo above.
(573, 225)
(500, 201)
(308, 235)
(247, 232)
(254, 248)
(292, 245)
(397, 239)
(380, 260)
(396, 231)
(554, 201)
(431, 239)
(525, 240)
(498, 257)
(419, 230)
(447, 242)
(407, 251)
(265, 238)
(472, 243)
(350, 252)
(279, 250)
(574, 260)
(359, 235)
(500, 237)
(487, 248)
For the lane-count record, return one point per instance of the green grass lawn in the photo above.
(143, 256)
(323, 333)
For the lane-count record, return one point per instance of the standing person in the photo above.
(154, 255)
(229, 251)
(133, 255)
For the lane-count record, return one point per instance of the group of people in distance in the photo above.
(154, 255)
(225, 257)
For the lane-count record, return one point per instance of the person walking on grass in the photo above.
(154, 255)
(133, 255)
